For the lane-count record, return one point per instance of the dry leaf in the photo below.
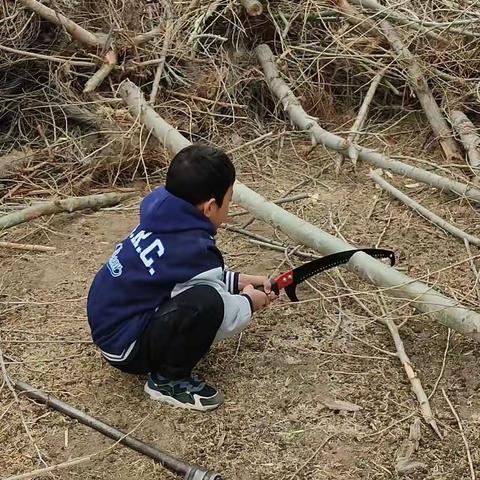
(409, 446)
(340, 405)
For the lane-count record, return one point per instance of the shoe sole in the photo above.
(155, 395)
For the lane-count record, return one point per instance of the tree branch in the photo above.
(318, 135)
(76, 31)
(424, 212)
(69, 205)
(422, 296)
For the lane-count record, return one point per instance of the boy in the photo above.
(163, 297)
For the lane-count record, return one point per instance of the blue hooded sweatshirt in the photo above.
(172, 249)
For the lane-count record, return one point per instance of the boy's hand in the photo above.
(255, 280)
(259, 299)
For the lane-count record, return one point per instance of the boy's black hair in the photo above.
(198, 173)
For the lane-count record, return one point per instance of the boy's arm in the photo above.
(236, 282)
(238, 311)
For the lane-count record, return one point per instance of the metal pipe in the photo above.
(189, 471)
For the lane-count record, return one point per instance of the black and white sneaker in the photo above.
(191, 393)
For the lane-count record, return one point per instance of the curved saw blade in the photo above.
(289, 280)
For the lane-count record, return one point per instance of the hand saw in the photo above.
(288, 281)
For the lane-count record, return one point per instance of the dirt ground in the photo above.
(279, 375)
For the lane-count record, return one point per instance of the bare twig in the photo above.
(26, 247)
(166, 45)
(11, 387)
(282, 248)
(50, 58)
(424, 212)
(361, 118)
(314, 454)
(442, 369)
(462, 433)
(415, 382)
(279, 201)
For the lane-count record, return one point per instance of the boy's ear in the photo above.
(207, 208)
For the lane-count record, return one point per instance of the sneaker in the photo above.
(191, 393)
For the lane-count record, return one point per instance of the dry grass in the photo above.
(292, 358)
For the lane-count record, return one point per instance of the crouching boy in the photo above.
(164, 297)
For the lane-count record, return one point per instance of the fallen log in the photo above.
(420, 295)
(304, 122)
(68, 205)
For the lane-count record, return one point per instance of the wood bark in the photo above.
(448, 311)
(306, 123)
(69, 205)
(424, 212)
(252, 7)
(470, 138)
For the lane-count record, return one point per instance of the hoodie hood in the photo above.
(162, 212)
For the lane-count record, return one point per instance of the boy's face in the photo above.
(217, 215)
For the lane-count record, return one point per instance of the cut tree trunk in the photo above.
(252, 7)
(69, 205)
(318, 135)
(420, 295)
(470, 138)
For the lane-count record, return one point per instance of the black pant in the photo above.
(179, 334)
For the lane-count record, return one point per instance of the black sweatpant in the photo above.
(179, 334)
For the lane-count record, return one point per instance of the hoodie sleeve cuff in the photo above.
(231, 281)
